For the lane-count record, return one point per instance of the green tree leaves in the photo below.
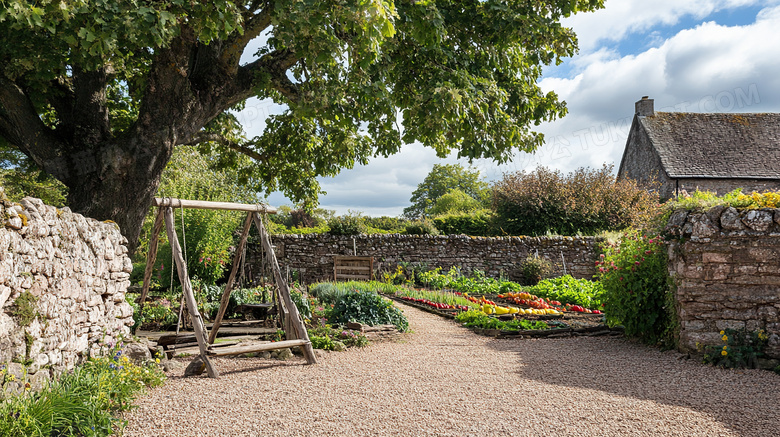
(359, 78)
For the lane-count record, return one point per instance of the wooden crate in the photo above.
(353, 268)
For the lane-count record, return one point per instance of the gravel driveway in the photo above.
(443, 380)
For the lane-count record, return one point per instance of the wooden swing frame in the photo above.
(295, 331)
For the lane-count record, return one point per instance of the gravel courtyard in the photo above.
(443, 380)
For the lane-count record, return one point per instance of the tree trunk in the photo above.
(118, 182)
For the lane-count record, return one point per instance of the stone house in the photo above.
(707, 151)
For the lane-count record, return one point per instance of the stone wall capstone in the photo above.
(311, 256)
(76, 268)
(727, 269)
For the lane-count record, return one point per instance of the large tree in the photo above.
(98, 93)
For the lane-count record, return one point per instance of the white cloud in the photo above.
(622, 17)
(709, 68)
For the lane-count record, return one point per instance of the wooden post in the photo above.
(151, 256)
(223, 303)
(192, 306)
(295, 318)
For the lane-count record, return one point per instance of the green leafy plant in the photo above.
(637, 288)
(741, 348)
(534, 269)
(324, 342)
(301, 303)
(369, 308)
(567, 289)
(478, 319)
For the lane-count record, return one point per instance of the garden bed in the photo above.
(576, 324)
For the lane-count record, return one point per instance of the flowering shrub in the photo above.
(707, 199)
(741, 348)
(637, 292)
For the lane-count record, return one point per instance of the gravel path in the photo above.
(443, 380)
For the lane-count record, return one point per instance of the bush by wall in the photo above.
(476, 223)
(637, 289)
(586, 201)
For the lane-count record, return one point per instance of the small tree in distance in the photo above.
(455, 182)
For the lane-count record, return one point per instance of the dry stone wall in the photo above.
(727, 268)
(72, 272)
(312, 255)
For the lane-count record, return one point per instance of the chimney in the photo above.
(644, 107)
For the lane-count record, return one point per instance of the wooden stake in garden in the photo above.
(295, 330)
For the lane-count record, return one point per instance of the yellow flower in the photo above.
(157, 360)
(722, 332)
(11, 377)
(725, 338)
(724, 353)
(725, 347)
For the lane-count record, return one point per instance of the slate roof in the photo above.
(706, 145)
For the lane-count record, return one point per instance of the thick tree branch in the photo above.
(275, 64)
(202, 137)
(169, 101)
(90, 112)
(61, 99)
(256, 20)
(21, 126)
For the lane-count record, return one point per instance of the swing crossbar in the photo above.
(204, 204)
(238, 350)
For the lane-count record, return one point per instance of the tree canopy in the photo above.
(441, 181)
(98, 93)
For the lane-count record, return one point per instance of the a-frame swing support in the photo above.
(295, 331)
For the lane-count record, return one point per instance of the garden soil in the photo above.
(443, 380)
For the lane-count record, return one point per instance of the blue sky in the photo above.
(688, 55)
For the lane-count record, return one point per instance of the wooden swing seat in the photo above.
(262, 347)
